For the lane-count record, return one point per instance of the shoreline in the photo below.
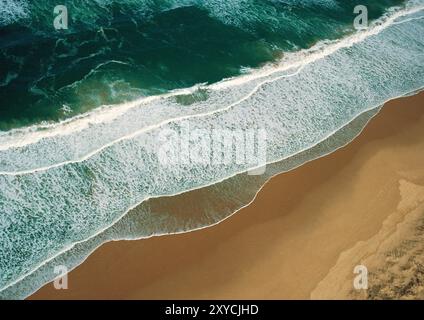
(305, 188)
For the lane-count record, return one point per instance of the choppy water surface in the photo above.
(66, 186)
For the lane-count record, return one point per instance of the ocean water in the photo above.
(117, 51)
(81, 129)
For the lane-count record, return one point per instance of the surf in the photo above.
(104, 187)
(105, 117)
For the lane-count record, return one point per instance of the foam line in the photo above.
(347, 42)
(185, 191)
(277, 157)
(106, 114)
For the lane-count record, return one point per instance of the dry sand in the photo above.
(300, 238)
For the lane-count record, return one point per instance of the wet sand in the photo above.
(301, 237)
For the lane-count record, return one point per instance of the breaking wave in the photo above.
(67, 187)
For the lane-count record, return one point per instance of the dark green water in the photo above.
(117, 51)
(67, 189)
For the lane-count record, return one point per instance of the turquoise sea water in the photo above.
(66, 187)
(120, 50)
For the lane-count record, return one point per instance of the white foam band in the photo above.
(105, 117)
(297, 102)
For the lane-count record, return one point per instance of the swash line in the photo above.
(69, 247)
(103, 229)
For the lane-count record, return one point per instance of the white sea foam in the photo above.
(144, 222)
(48, 212)
(83, 136)
(12, 11)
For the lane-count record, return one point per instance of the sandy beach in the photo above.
(302, 236)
